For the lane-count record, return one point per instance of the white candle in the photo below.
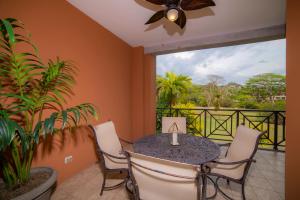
(174, 138)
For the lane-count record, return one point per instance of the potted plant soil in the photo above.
(32, 98)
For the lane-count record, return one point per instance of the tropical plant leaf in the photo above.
(36, 132)
(9, 30)
(69, 117)
(10, 129)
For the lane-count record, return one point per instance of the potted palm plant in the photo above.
(32, 99)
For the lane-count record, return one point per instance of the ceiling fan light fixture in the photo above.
(172, 14)
(174, 10)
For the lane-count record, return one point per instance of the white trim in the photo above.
(262, 34)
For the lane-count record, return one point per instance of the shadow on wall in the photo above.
(59, 141)
(171, 27)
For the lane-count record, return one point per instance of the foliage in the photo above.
(265, 87)
(28, 89)
(184, 106)
(259, 92)
(195, 95)
(187, 111)
(213, 92)
(171, 87)
(277, 105)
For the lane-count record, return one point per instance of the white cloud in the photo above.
(233, 63)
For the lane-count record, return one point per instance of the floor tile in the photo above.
(265, 181)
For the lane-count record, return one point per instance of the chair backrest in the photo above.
(108, 141)
(169, 122)
(162, 179)
(244, 144)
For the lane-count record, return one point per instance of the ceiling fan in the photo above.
(175, 10)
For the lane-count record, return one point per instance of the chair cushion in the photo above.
(241, 148)
(232, 171)
(159, 186)
(109, 142)
(243, 145)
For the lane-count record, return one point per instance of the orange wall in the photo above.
(111, 76)
(293, 101)
(149, 94)
(137, 89)
(104, 62)
(143, 103)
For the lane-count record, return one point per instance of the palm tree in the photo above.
(172, 86)
(32, 101)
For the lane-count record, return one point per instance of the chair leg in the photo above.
(215, 186)
(243, 191)
(222, 192)
(103, 184)
(129, 185)
(204, 186)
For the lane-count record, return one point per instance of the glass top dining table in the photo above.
(191, 149)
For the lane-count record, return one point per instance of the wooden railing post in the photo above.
(237, 118)
(204, 123)
(276, 131)
(176, 112)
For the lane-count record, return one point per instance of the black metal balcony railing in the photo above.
(221, 124)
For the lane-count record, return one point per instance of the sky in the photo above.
(233, 63)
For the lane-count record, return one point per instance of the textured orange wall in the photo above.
(149, 94)
(142, 94)
(293, 101)
(104, 62)
(137, 93)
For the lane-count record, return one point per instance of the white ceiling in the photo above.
(126, 18)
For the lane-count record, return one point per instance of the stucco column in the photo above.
(293, 101)
(149, 94)
(142, 84)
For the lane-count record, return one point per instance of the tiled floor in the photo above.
(265, 182)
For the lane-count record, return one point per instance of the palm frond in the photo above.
(69, 117)
(9, 130)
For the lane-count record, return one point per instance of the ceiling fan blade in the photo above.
(196, 4)
(157, 16)
(172, 2)
(157, 2)
(181, 21)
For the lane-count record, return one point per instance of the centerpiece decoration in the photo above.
(174, 130)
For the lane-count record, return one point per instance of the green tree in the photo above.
(214, 93)
(265, 87)
(195, 95)
(171, 87)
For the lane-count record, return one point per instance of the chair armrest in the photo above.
(112, 156)
(234, 163)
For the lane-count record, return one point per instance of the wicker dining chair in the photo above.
(238, 158)
(168, 122)
(159, 179)
(110, 153)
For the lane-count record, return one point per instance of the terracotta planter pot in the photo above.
(43, 191)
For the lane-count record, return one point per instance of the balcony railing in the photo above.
(221, 124)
